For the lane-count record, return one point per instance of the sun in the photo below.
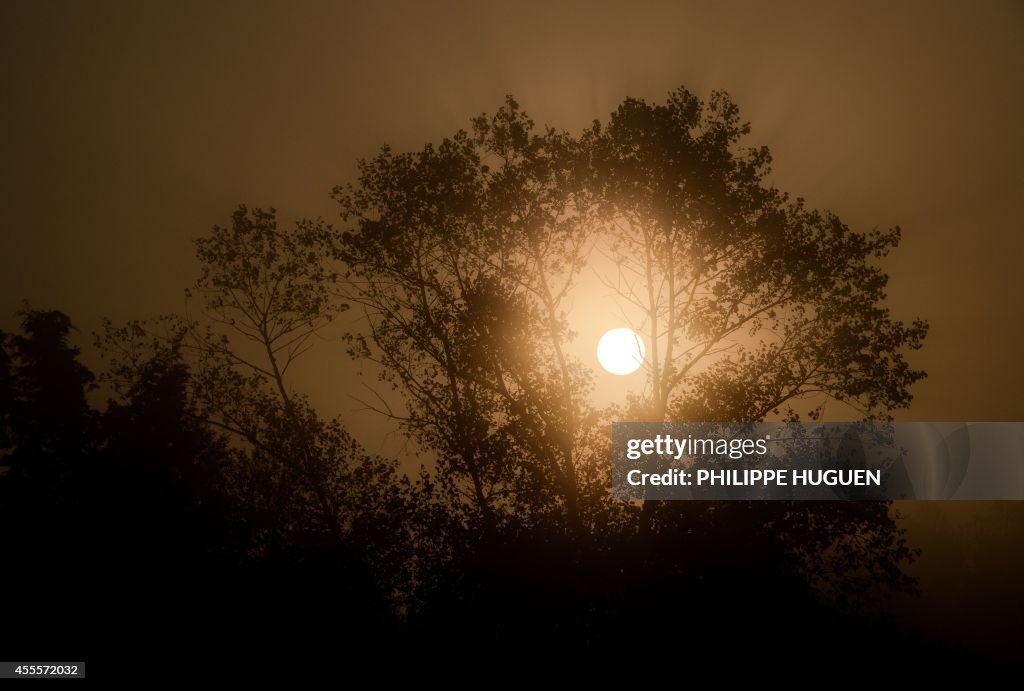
(621, 351)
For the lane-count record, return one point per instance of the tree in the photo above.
(302, 482)
(267, 288)
(43, 387)
(750, 302)
(464, 256)
(49, 450)
(159, 456)
(754, 307)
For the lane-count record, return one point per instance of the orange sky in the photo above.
(132, 127)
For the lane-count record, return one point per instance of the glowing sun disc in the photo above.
(621, 351)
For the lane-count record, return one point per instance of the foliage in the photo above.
(462, 259)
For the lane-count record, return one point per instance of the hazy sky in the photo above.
(129, 128)
(132, 127)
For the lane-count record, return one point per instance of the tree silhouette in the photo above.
(755, 308)
(301, 480)
(750, 302)
(464, 256)
(267, 286)
(45, 395)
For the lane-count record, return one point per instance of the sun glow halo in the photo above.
(621, 351)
